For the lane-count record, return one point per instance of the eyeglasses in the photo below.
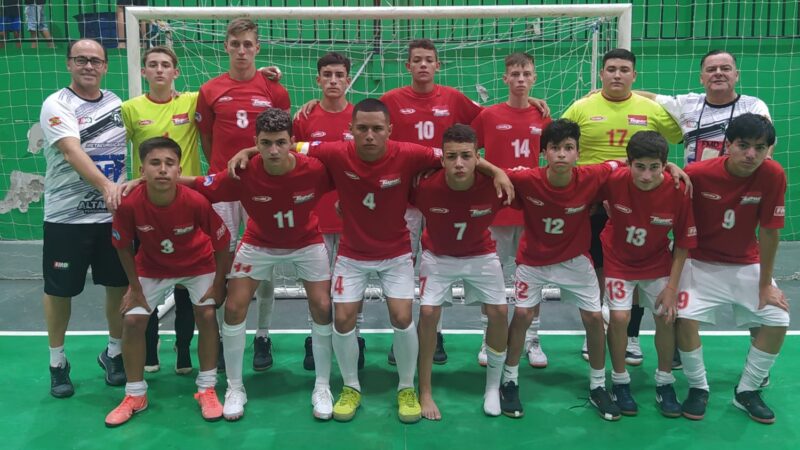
(82, 61)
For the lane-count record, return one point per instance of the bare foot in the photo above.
(429, 409)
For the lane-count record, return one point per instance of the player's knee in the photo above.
(499, 313)
(619, 318)
(135, 324)
(205, 315)
(522, 314)
(401, 320)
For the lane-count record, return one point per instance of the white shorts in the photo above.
(332, 246)
(506, 239)
(575, 277)
(482, 275)
(618, 293)
(350, 278)
(156, 289)
(233, 215)
(414, 223)
(310, 263)
(707, 286)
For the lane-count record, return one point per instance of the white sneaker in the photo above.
(483, 360)
(235, 399)
(322, 400)
(633, 352)
(157, 366)
(491, 402)
(585, 350)
(536, 357)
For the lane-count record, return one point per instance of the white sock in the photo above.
(664, 378)
(136, 388)
(756, 368)
(439, 323)
(484, 324)
(620, 378)
(406, 351)
(345, 347)
(114, 347)
(265, 300)
(321, 345)
(597, 378)
(494, 369)
(694, 368)
(532, 333)
(510, 373)
(206, 379)
(359, 323)
(57, 357)
(233, 341)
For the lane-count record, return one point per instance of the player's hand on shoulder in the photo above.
(112, 195)
(129, 186)
(240, 161)
(306, 109)
(504, 186)
(541, 105)
(132, 299)
(773, 296)
(679, 175)
(271, 72)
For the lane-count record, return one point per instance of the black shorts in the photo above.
(598, 221)
(131, 2)
(69, 250)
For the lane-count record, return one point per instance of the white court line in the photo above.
(388, 330)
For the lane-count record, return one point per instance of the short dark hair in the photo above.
(647, 144)
(148, 145)
(426, 44)
(620, 53)
(717, 52)
(331, 58)
(160, 49)
(371, 105)
(518, 59)
(274, 120)
(72, 44)
(751, 126)
(559, 130)
(460, 133)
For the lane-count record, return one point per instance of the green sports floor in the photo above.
(278, 415)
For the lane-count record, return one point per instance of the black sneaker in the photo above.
(362, 346)
(390, 357)
(221, 358)
(694, 407)
(751, 403)
(183, 363)
(667, 401)
(439, 355)
(606, 407)
(677, 364)
(262, 353)
(509, 400)
(308, 360)
(621, 394)
(115, 370)
(60, 384)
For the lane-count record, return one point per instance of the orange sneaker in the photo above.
(210, 407)
(130, 405)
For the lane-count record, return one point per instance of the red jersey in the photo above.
(325, 126)
(510, 138)
(457, 222)
(636, 237)
(557, 226)
(281, 208)
(374, 194)
(227, 109)
(177, 240)
(728, 209)
(423, 118)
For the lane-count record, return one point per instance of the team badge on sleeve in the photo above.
(115, 234)
(208, 180)
(780, 211)
(55, 121)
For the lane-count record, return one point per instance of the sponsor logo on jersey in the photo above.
(116, 117)
(115, 234)
(574, 209)
(438, 210)
(407, 111)
(55, 121)
(711, 196)
(780, 211)
(183, 230)
(180, 119)
(351, 175)
(221, 231)
(503, 127)
(318, 134)
(440, 111)
(347, 136)
(60, 265)
(535, 129)
(437, 152)
(92, 203)
(390, 181)
(622, 208)
(198, 117)
(145, 122)
(751, 198)
(208, 180)
(480, 210)
(261, 198)
(111, 166)
(261, 103)
(84, 120)
(637, 119)
(303, 197)
(144, 228)
(691, 232)
(535, 201)
(661, 221)
(315, 143)
(597, 118)
(225, 99)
